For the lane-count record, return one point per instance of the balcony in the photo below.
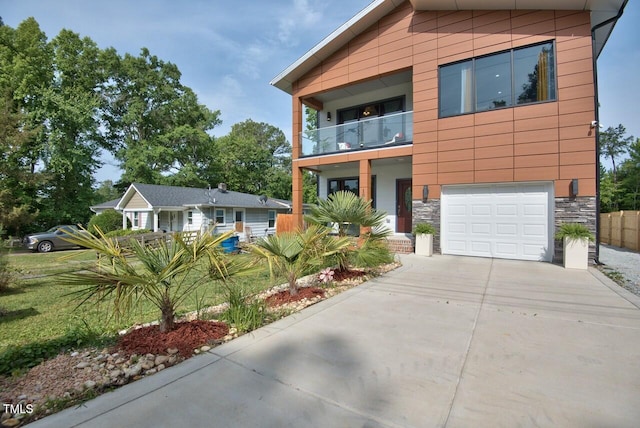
(379, 132)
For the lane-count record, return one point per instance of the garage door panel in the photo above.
(481, 247)
(507, 210)
(506, 229)
(506, 249)
(506, 220)
(481, 229)
(458, 245)
(534, 230)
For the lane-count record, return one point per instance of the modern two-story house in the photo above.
(478, 116)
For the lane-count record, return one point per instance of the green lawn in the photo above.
(38, 306)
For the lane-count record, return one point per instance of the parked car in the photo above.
(51, 240)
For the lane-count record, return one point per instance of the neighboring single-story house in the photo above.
(109, 205)
(172, 208)
(478, 116)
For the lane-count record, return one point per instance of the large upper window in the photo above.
(519, 76)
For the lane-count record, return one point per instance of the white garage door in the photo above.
(509, 221)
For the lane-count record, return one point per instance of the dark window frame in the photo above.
(341, 187)
(270, 220)
(215, 215)
(514, 92)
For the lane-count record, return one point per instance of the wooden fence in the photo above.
(284, 223)
(621, 229)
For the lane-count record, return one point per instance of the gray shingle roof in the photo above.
(173, 196)
(108, 204)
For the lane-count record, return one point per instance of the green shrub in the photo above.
(574, 231)
(424, 228)
(244, 313)
(109, 220)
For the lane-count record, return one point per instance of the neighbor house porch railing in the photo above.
(378, 132)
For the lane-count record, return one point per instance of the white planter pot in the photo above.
(424, 244)
(576, 253)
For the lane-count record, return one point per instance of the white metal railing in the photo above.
(392, 129)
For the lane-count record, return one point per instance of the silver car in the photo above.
(51, 240)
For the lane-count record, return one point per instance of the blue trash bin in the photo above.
(230, 245)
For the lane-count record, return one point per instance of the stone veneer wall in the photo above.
(581, 209)
(428, 212)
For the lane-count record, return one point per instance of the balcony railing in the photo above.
(378, 132)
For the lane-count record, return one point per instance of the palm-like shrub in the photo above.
(345, 209)
(295, 254)
(165, 274)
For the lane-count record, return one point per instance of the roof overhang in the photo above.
(604, 15)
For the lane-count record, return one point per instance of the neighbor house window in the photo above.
(136, 219)
(519, 76)
(272, 218)
(189, 217)
(219, 216)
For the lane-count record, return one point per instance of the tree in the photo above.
(630, 178)
(252, 156)
(26, 70)
(106, 191)
(613, 144)
(72, 148)
(155, 125)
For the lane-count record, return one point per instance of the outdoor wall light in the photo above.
(574, 187)
(328, 116)
(425, 193)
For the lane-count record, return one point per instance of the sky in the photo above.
(228, 52)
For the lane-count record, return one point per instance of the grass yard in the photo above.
(37, 307)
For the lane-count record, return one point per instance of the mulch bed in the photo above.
(341, 275)
(283, 297)
(186, 337)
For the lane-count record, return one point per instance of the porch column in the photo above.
(365, 185)
(297, 195)
(124, 220)
(365, 179)
(155, 220)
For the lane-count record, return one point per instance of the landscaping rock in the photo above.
(89, 384)
(172, 351)
(161, 359)
(11, 422)
(83, 365)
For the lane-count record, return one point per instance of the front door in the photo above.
(239, 220)
(403, 206)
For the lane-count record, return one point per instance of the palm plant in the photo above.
(165, 275)
(344, 209)
(295, 254)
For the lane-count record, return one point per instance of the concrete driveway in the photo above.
(441, 342)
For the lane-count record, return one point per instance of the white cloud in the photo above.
(301, 17)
